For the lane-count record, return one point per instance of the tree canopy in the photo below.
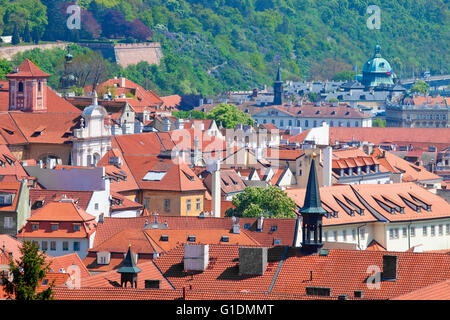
(27, 272)
(229, 116)
(420, 87)
(270, 202)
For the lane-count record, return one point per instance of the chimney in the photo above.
(122, 82)
(179, 124)
(390, 268)
(327, 167)
(236, 226)
(252, 261)
(213, 166)
(196, 257)
(166, 124)
(260, 223)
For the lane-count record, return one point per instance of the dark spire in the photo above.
(278, 79)
(128, 271)
(312, 213)
(128, 265)
(312, 203)
(278, 89)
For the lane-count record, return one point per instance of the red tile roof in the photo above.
(36, 128)
(176, 176)
(171, 101)
(12, 188)
(230, 182)
(121, 203)
(63, 213)
(395, 164)
(116, 294)
(222, 273)
(10, 165)
(344, 271)
(112, 278)
(377, 198)
(68, 260)
(122, 178)
(282, 229)
(419, 138)
(437, 291)
(82, 198)
(28, 69)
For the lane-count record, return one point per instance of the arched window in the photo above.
(20, 87)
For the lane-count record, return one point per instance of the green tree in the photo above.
(255, 201)
(15, 36)
(420, 87)
(381, 123)
(27, 272)
(26, 33)
(35, 35)
(344, 75)
(5, 68)
(193, 114)
(229, 116)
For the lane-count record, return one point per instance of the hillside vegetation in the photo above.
(214, 45)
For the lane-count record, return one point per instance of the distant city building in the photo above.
(419, 111)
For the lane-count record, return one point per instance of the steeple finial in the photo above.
(94, 98)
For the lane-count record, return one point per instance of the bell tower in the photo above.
(278, 89)
(28, 88)
(312, 213)
(128, 271)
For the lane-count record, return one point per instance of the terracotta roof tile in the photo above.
(28, 69)
(369, 193)
(419, 138)
(411, 172)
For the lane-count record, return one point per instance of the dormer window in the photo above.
(54, 226)
(35, 226)
(76, 227)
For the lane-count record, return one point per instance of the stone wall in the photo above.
(10, 51)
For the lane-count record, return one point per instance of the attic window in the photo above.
(8, 131)
(191, 178)
(225, 239)
(273, 228)
(318, 111)
(247, 226)
(5, 199)
(276, 241)
(358, 293)
(347, 113)
(164, 238)
(318, 291)
(9, 160)
(45, 282)
(191, 238)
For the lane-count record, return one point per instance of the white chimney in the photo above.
(122, 82)
(327, 166)
(213, 166)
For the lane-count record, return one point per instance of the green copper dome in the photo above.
(377, 71)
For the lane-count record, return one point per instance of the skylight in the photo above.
(154, 176)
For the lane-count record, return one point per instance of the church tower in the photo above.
(28, 88)
(312, 213)
(93, 139)
(278, 89)
(128, 271)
